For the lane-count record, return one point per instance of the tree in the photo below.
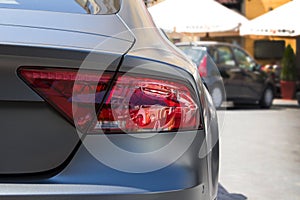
(289, 70)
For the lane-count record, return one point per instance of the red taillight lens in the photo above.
(146, 105)
(134, 104)
(71, 93)
(202, 68)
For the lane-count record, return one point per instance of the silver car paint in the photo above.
(157, 48)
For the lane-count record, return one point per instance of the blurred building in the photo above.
(255, 8)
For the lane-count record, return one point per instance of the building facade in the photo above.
(255, 8)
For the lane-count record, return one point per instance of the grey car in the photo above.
(244, 81)
(97, 104)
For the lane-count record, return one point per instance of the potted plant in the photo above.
(288, 73)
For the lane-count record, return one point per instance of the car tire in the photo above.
(267, 98)
(217, 95)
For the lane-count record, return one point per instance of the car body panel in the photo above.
(194, 193)
(99, 25)
(25, 115)
(15, 56)
(122, 43)
(29, 38)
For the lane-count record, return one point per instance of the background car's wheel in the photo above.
(267, 98)
(217, 96)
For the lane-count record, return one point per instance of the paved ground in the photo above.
(260, 153)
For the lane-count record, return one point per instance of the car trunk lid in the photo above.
(35, 137)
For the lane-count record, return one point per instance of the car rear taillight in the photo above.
(202, 68)
(142, 104)
(134, 103)
(69, 92)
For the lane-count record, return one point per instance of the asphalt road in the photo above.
(260, 153)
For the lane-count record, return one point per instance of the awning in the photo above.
(195, 16)
(282, 21)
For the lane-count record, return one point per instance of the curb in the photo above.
(285, 102)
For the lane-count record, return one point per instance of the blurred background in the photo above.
(260, 148)
(262, 27)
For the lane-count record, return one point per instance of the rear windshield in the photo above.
(194, 53)
(96, 7)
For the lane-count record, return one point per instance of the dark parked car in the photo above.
(97, 104)
(298, 92)
(243, 79)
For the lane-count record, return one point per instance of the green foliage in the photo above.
(289, 71)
